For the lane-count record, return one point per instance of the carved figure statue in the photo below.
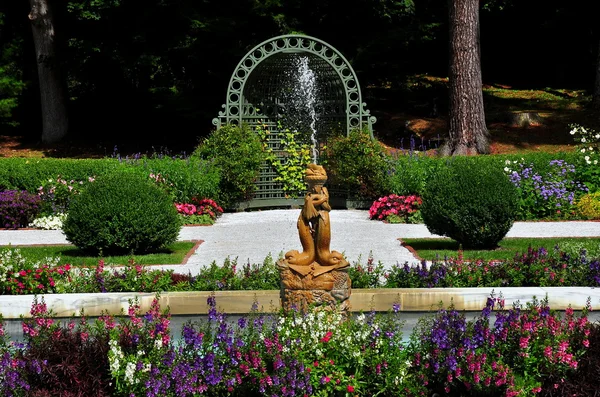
(314, 228)
(315, 276)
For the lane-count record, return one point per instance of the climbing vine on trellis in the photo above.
(289, 160)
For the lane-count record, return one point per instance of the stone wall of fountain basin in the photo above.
(415, 300)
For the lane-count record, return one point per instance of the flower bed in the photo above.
(524, 351)
(534, 268)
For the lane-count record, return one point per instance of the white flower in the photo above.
(597, 136)
(507, 162)
(582, 140)
(52, 222)
(114, 365)
(595, 161)
(587, 158)
(572, 132)
(158, 343)
(129, 372)
(583, 150)
(506, 169)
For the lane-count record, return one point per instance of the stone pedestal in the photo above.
(314, 285)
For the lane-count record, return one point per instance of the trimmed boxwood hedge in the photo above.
(475, 206)
(410, 173)
(195, 176)
(186, 178)
(121, 213)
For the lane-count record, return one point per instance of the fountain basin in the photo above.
(240, 302)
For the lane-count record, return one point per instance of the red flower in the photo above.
(350, 389)
(327, 337)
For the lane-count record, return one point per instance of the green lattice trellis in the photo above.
(258, 84)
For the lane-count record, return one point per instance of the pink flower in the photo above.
(350, 389)
(524, 342)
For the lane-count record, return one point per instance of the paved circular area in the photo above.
(251, 236)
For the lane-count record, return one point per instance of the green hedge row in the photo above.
(226, 164)
(181, 178)
(409, 174)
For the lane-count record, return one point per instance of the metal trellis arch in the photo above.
(256, 91)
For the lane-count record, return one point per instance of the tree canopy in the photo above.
(151, 67)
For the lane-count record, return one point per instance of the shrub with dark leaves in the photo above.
(69, 361)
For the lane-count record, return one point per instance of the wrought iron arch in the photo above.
(256, 96)
(238, 107)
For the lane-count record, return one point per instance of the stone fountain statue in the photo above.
(316, 275)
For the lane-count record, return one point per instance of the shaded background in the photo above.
(157, 70)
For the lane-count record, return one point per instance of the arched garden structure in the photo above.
(259, 95)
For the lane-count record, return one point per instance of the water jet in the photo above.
(259, 95)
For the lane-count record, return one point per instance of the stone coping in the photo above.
(240, 302)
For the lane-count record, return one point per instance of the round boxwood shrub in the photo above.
(122, 213)
(238, 153)
(358, 164)
(474, 204)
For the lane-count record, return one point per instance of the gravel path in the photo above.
(251, 236)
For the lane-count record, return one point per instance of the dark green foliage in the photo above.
(12, 83)
(122, 213)
(475, 206)
(238, 153)
(359, 165)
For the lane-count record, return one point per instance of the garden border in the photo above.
(240, 302)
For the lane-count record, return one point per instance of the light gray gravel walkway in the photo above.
(251, 236)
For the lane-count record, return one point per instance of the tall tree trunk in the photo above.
(596, 97)
(468, 133)
(55, 121)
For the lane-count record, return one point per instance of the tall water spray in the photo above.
(304, 98)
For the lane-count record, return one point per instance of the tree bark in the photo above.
(468, 133)
(596, 96)
(55, 121)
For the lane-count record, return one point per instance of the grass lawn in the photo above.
(173, 254)
(430, 249)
